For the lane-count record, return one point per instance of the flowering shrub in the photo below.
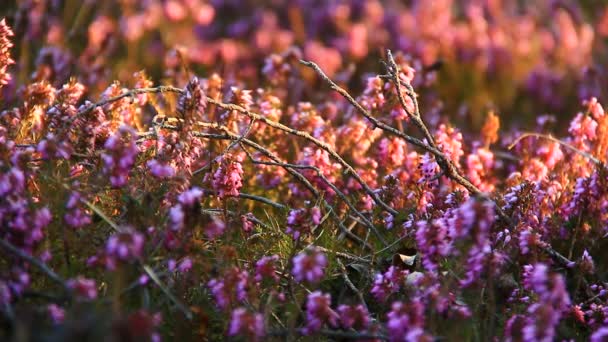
(343, 170)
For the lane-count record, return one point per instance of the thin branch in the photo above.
(350, 284)
(324, 146)
(563, 143)
(34, 261)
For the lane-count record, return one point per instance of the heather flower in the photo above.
(433, 243)
(428, 169)
(185, 265)
(126, 245)
(355, 317)
(231, 288)
(302, 221)
(600, 335)
(586, 263)
(406, 322)
(309, 266)
(242, 97)
(75, 216)
(176, 217)
(388, 283)
(553, 302)
(83, 288)
(56, 313)
(227, 179)
(160, 170)
(373, 95)
(246, 324)
(50, 147)
(5, 56)
(319, 312)
(392, 152)
(119, 156)
(265, 268)
(215, 228)
(247, 222)
(193, 101)
(449, 141)
(190, 197)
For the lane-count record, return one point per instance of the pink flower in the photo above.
(126, 245)
(246, 324)
(227, 179)
(388, 283)
(120, 154)
(319, 312)
(355, 317)
(83, 288)
(309, 266)
(56, 313)
(159, 170)
(265, 268)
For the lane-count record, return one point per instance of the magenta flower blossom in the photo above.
(119, 156)
(319, 312)
(248, 222)
(406, 322)
(355, 317)
(265, 268)
(309, 266)
(56, 313)
(5, 56)
(215, 228)
(246, 324)
(126, 245)
(190, 197)
(231, 288)
(227, 179)
(600, 335)
(301, 221)
(388, 283)
(193, 100)
(553, 302)
(75, 216)
(160, 170)
(83, 288)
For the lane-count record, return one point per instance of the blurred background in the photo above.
(519, 58)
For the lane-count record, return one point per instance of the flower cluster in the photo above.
(261, 150)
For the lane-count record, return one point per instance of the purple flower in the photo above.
(193, 101)
(265, 268)
(406, 322)
(301, 221)
(227, 179)
(160, 170)
(388, 283)
(309, 266)
(75, 216)
(126, 245)
(600, 335)
(233, 286)
(120, 154)
(355, 317)
(553, 302)
(56, 313)
(190, 197)
(319, 312)
(215, 228)
(246, 324)
(83, 288)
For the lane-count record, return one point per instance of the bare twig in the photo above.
(33, 261)
(350, 284)
(555, 140)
